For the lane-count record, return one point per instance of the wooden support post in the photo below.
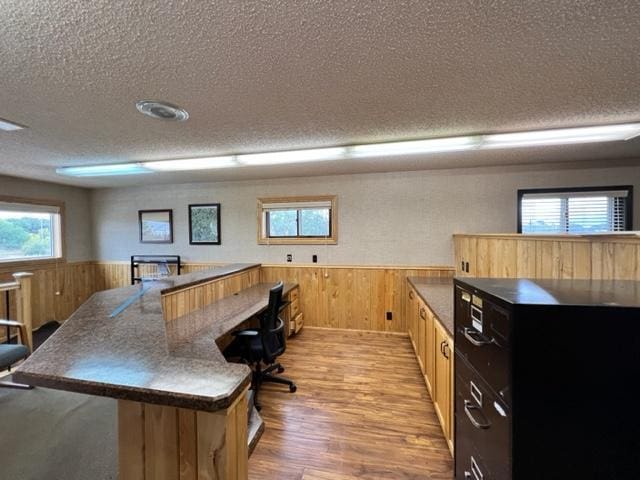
(159, 442)
(23, 305)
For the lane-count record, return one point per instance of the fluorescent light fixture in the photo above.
(103, 170)
(205, 163)
(562, 136)
(8, 126)
(435, 145)
(293, 156)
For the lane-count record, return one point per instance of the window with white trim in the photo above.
(292, 220)
(29, 231)
(578, 211)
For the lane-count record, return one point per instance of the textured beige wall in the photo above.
(77, 227)
(391, 218)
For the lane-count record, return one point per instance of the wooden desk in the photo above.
(182, 408)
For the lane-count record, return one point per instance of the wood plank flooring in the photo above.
(361, 411)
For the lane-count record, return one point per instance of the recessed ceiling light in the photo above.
(191, 164)
(8, 126)
(162, 110)
(103, 170)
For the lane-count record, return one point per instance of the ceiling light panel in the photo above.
(293, 156)
(103, 170)
(205, 163)
(562, 136)
(8, 126)
(414, 147)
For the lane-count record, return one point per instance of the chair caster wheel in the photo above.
(280, 369)
(292, 388)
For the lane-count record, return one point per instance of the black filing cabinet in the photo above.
(545, 379)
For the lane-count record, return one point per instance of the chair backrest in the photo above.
(272, 326)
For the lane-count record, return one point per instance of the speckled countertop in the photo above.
(437, 293)
(133, 356)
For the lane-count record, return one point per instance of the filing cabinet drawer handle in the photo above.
(478, 342)
(423, 313)
(468, 407)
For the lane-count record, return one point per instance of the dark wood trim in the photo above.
(629, 209)
(191, 242)
(141, 212)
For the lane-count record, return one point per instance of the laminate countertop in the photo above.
(136, 355)
(437, 293)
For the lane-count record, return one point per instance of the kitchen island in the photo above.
(182, 408)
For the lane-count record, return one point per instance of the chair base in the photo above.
(267, 375)
(18, 386)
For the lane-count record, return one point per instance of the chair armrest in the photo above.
(10, 323)
(245, 333)
(20, 326)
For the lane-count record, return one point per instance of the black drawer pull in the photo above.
(478, 340)
(468, 407)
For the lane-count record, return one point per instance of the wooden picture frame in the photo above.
(156, 226)
(204, 224)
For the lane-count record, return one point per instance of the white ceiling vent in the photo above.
(162, 110)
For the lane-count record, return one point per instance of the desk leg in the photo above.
(167, 443)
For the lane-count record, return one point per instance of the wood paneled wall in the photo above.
(352, 297)
(184, 301)
(57, 290)
(558, 256)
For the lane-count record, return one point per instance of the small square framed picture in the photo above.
(204, 224)
(156, 226)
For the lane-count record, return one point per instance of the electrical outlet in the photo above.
(314, 258)
(389, 316)
(289, 258)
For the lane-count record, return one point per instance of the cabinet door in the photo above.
(422, 334)
(410, 314)
(429, 352)
(442, 385)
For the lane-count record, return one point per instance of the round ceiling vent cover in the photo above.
(162, 110)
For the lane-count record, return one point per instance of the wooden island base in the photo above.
(157, 442)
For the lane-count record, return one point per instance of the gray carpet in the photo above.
(53, 435)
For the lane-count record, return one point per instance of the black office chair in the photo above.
(256, 347)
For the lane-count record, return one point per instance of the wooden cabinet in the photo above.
(422, 335)
(410, 315)
(430, 350)
(443, 383)
(434, 353)
(292, 316)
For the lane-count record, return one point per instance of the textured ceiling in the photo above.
(273, 75)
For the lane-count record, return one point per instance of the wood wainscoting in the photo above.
(601, 257)
(352, 297)
(57, 290)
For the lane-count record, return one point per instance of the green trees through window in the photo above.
(26, 235)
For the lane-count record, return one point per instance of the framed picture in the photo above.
(204, 224)
(156, 226)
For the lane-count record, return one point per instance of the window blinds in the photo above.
(28, 208)
(574, 212)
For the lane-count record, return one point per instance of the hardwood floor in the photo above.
(361, 411)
